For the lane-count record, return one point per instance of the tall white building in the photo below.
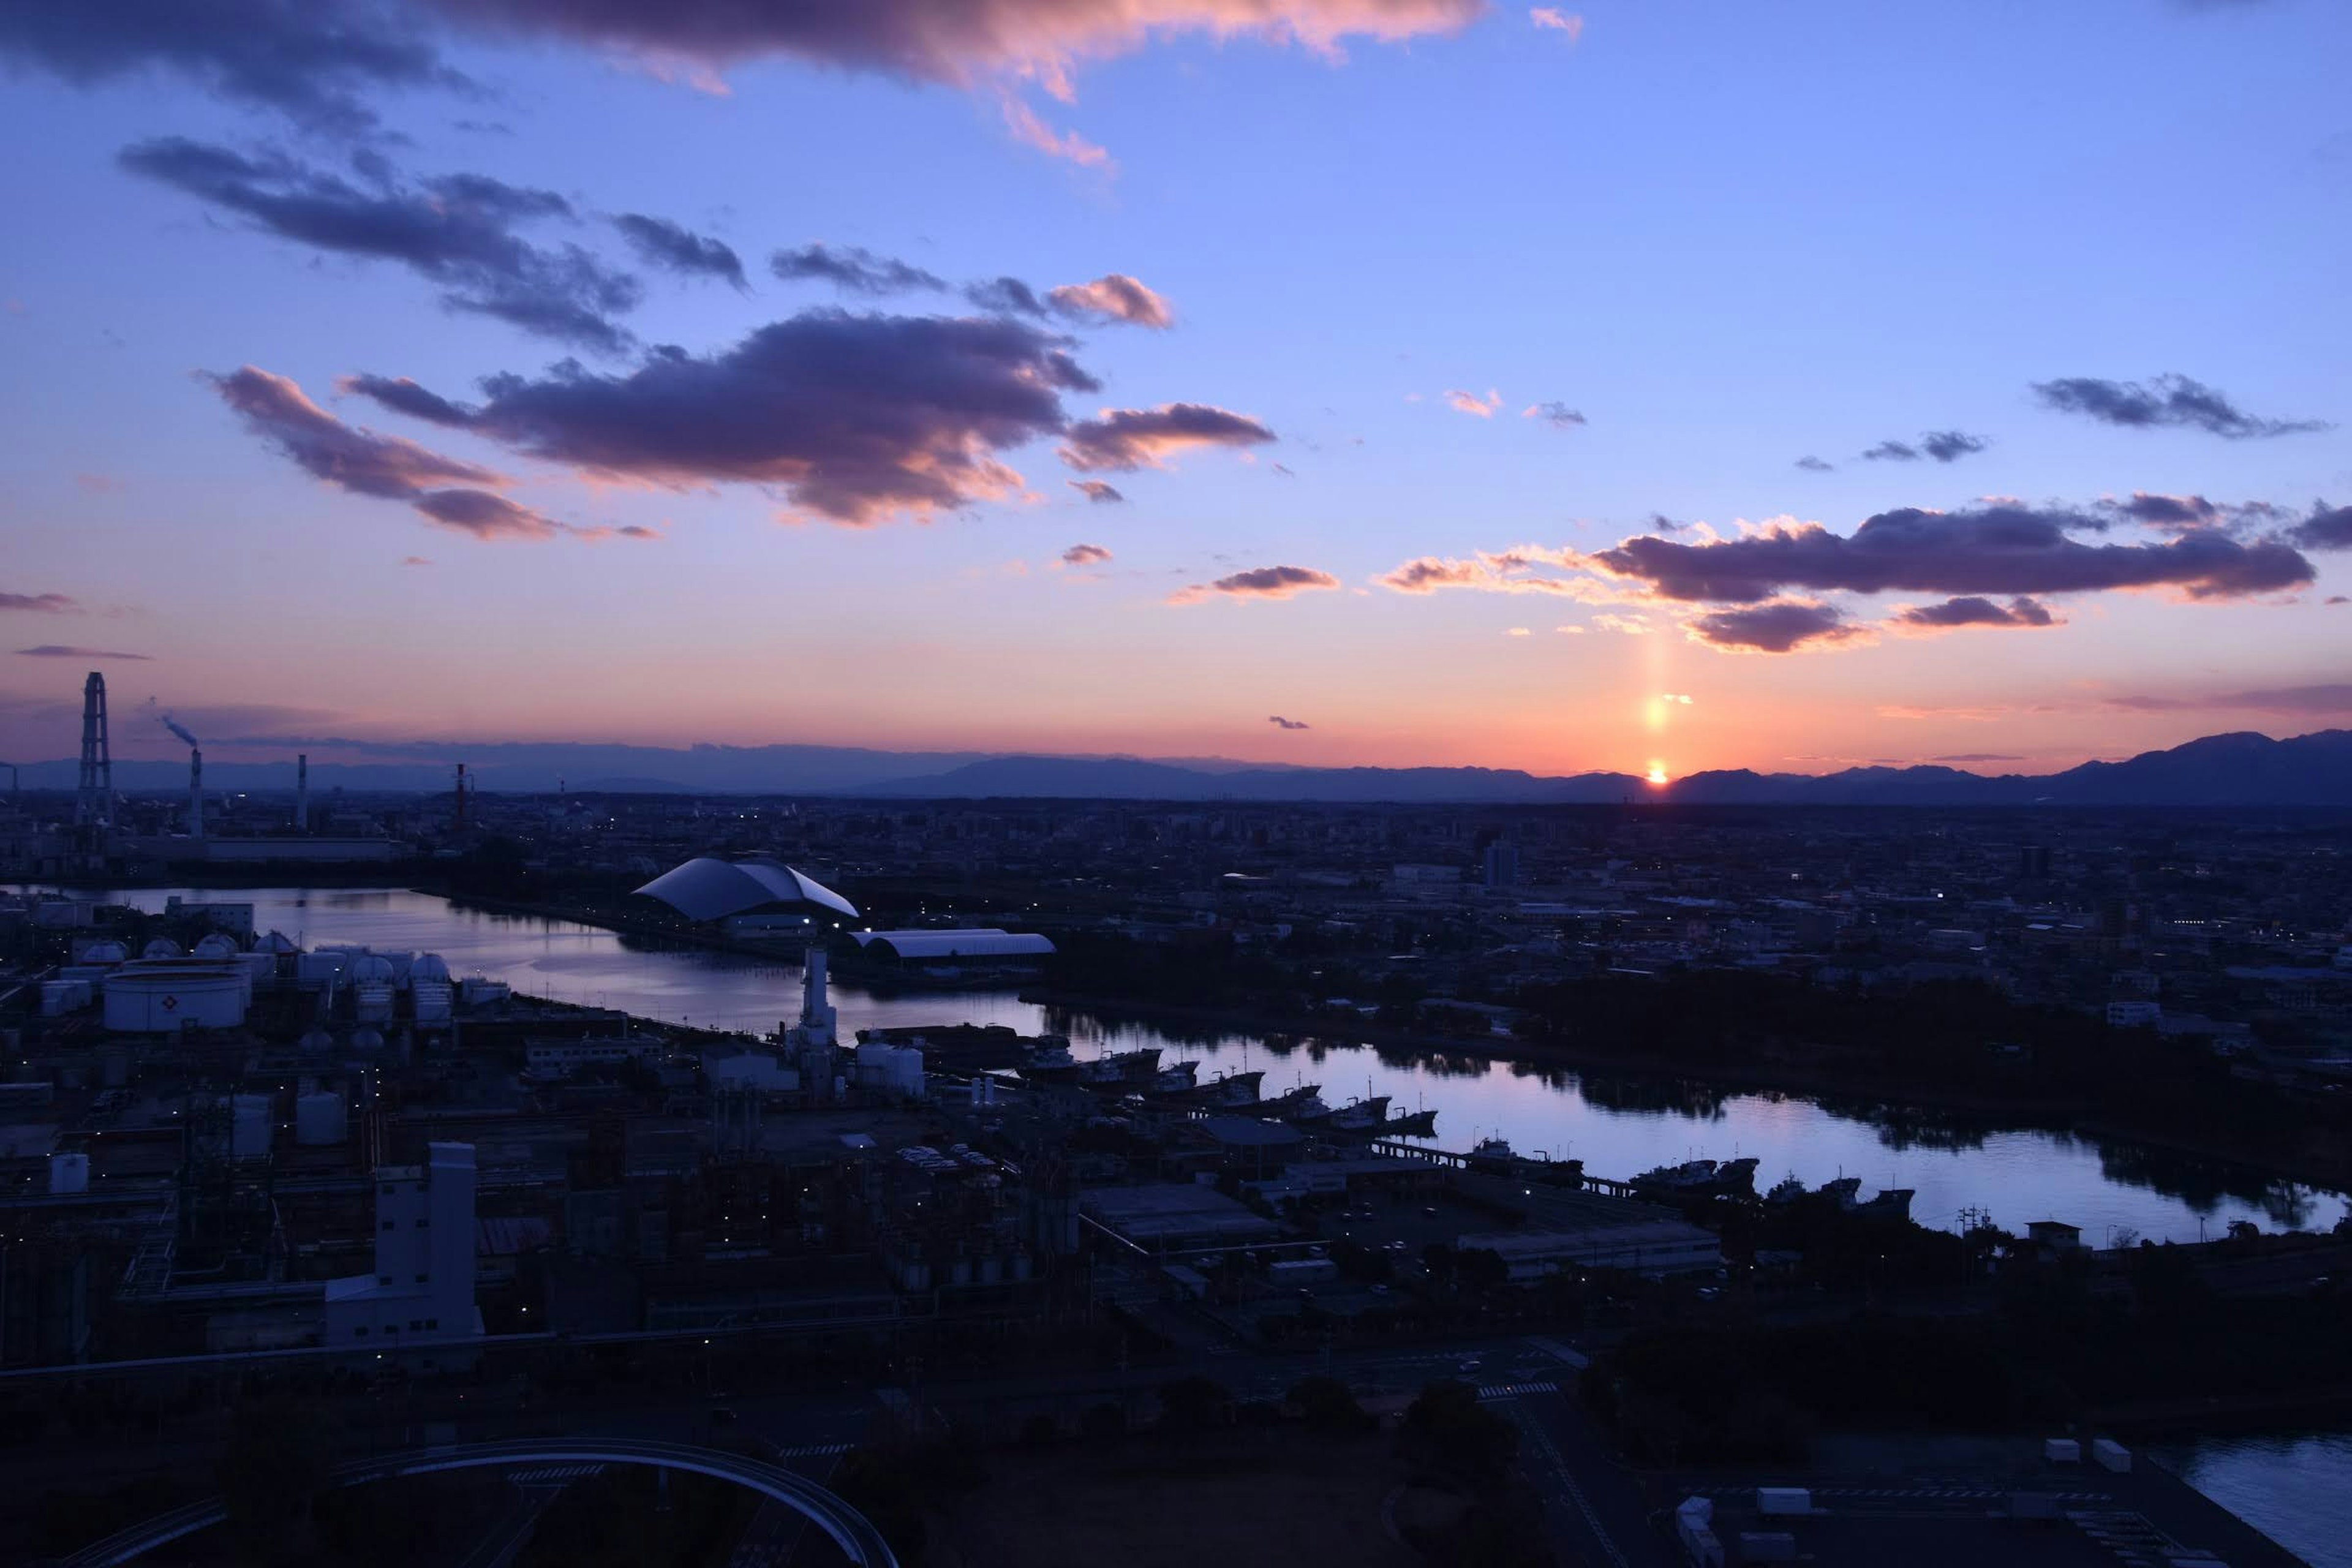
(423, 1287)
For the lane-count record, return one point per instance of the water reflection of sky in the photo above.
(2297, 1489)
(1617, 1126)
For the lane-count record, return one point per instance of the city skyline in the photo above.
(1334, 382)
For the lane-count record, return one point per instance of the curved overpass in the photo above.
(850, 1529)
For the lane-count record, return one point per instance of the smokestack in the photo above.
(94, 795)
(302, 792)
(459, 819)
(196, 793)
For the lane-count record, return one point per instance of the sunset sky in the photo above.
(1691, 383)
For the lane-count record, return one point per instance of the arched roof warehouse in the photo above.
(930, 946)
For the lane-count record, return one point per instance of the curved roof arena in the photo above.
(708, 889)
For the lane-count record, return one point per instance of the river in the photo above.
(1617, 1126)
(2294, 1488)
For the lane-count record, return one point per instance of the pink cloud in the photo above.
(1472, 404)
(1114, 296)
(1032, 131)
(1552, 19)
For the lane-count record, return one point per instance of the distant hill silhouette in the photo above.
(2243, 769)
(2240, 769)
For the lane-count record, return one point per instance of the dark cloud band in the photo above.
(2174, 401)
(2001, 550)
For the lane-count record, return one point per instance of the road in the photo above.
(1595, 1508)
(856, 1536)
(805, 1431)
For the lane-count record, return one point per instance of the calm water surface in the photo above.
(1618, 1127)
(2297, 1489)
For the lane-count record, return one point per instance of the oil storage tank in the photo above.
(320, 1120)
(165, 1001)
(248, 1135)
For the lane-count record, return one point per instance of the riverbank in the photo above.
(2328, 1167)
(2071, 1117)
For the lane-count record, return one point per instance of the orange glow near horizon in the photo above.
(1657, 775)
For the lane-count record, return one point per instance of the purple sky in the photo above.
(1671, 386)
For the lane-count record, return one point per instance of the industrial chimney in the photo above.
(94, 795)
(196, 793)
(302, 792)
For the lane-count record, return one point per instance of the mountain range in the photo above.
(2236, 769)
(2240, 769)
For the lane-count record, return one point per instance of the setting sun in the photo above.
(1657, 775)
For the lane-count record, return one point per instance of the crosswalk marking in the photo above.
(1914, 1494)
(813, 1451)
(553, 1475)
(1513, 1390)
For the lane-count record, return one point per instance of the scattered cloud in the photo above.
(1279, 722)
(486, 516)
(661, 243)
(1113, 297)
(1679, 699)
(1559, 416)
(1813, 465)
(2003, 550)
(403, 395)
(415, 561)
(1102, 492)
(1776, 625)
(859, 418)
(311, 62)
(1916, 711)
(959, 42)
(1944, 446)
(1472, 404)
(1551, 19)
(853, 268)
(1519, 570)
(60, 650)
(1068, 145)
(1950, 445)
(1260, 582)
(392, 466)
(1005, 297)
(2167, 512)
(1979, 757)
(40, 604)
(1516, 632)
(2165, 400)
(456, 231)
(1124, 439)
(1569, 631)
(1661, 524)
(1974, 611)
(2329, 699)
(2328, 528)
(1085, 555)
(1628, 626)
